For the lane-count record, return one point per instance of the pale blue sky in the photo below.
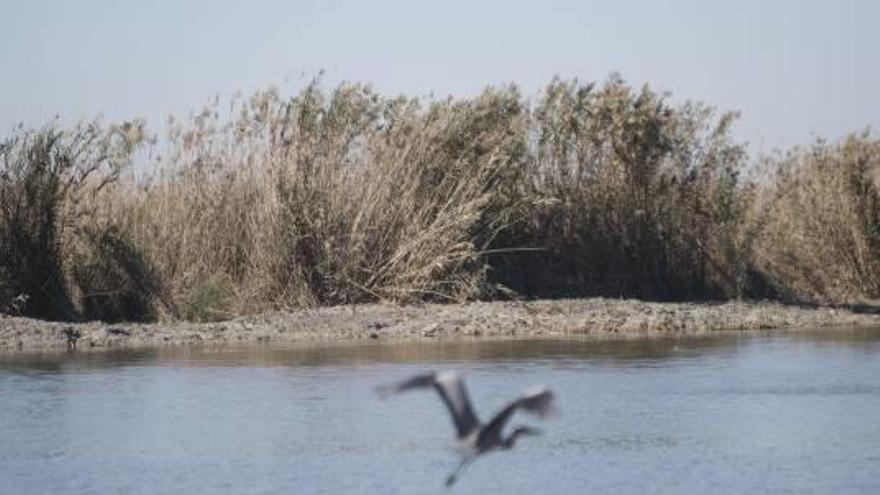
(794, 68)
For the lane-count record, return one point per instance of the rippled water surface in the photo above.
(771, 413)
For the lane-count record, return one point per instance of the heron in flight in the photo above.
(477, 438)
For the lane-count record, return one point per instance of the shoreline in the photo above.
(590, 318)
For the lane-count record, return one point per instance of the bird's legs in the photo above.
(452, 478)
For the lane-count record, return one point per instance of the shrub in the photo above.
(628, 196)
(327, 199)
(52, 184)
(816, 220)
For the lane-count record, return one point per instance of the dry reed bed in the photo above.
(348, 196)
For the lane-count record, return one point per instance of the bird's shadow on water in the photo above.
(613, 442)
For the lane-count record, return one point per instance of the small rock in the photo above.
(431, 330)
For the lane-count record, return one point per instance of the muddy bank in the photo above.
(592, 318)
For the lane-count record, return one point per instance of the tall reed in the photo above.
(328, 199)
(348, 196)
(815, 222)
(630, 195)
(63, 256)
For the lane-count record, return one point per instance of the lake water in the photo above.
(769, 413)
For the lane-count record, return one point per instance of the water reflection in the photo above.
(353, 354)
(644, 352)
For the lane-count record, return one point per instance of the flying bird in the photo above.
(477, 438)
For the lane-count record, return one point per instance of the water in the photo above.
(771, 413)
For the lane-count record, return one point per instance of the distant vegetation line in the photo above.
(343, 195)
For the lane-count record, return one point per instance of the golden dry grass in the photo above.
(815, 222)
(348, 196)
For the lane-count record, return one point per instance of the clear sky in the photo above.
(794, 68)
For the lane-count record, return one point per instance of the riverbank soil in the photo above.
(597, 318)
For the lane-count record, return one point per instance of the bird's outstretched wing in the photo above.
(453, 392)
(540, 402)
(418, 381)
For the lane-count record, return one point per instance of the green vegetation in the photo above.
(344, 196)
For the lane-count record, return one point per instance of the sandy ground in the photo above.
(585, 318)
